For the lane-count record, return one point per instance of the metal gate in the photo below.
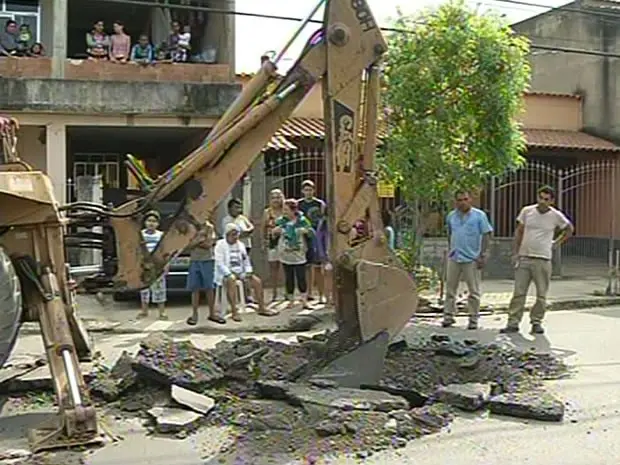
(287, 171)
(585, 192)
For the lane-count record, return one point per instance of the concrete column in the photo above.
(59, 38)
(231, 30)
(56, 159)
(257, 189)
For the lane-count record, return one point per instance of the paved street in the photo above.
(586, 338)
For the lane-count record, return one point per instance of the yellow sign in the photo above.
(386, 190)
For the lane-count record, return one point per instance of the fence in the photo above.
(585, 192)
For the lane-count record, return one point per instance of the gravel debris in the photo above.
(260, 393)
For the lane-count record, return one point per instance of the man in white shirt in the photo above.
(540, 229)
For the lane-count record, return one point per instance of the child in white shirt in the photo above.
(156, 292)
(183, 46)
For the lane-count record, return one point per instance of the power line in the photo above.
(577, 51)
(385, 29)
(616, 16)
(222, 11)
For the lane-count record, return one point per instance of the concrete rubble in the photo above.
(263, 389)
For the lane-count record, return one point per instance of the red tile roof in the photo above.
(573, 140)
(313, 128)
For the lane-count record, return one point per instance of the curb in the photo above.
(296, 324)
(115, 327)
(575, 304)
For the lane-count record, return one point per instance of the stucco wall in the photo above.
(593, 77)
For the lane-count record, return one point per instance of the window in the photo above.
(30, 6)
(23, 12)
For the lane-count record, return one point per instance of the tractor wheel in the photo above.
(10, 306)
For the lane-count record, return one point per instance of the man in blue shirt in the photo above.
(469, 231)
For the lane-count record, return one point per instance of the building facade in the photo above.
(80, 117)
(587, 25)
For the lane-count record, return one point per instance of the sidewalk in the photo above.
(120, 317)
(563, 294)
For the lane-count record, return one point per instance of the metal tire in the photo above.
(10, 306)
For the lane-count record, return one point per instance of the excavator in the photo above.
(374, 295)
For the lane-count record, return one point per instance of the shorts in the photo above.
(272, 255)
(155, 293)
(200, 275)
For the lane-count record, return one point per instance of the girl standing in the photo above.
(270, 216)
(294, 232)
(156, 292)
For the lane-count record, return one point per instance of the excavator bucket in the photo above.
(375, 298)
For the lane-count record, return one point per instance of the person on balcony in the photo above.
(97, 42)
(142, 53)
(37, 50)
(120, 44)
(9, 39)
(24, 40)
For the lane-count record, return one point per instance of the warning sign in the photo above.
(386, 190)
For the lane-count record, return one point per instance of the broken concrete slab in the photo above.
(469, 397)
(197, 402)
(168, 362)
(535, 405)
(174, 420)
(329, 428)
(109, 385)
(339, 398)
(39, 379)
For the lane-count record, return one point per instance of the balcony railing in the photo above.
(87, 70)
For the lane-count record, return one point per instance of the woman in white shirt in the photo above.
(232, 264)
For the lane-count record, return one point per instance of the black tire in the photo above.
(10, 306)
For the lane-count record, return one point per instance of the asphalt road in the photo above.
(588, 339)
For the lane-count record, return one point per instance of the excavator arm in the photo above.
(374, 295)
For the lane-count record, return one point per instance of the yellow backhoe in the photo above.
(374, 296)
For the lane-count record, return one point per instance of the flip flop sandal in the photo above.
(217, 319)
(307, 306)
(191, 321)
(142, 315)
(269, 313)
(237, 318)
(164, 317)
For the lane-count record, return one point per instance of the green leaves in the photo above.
(454, 88)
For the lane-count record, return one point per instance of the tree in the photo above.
(453, 88)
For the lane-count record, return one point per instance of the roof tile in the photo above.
(313, 128)
(562, 139)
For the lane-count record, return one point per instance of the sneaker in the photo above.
(537, 329)
(509, 330)
(472, 325)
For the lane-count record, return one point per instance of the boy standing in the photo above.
(201, 273)
(156, 292)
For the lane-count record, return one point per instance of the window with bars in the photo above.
(22, 12)
(98, 164)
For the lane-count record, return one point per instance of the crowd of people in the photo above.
(117, 47)
(294, 236)
(18, 41)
